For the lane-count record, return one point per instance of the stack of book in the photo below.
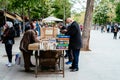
(62, 42)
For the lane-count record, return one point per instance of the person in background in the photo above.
(17, 28)
(108, 28)
(75, 42)
(102, 28)
(30, 36)
(119, 30)
(33, 24)
(81, 27)
(68, 52)
(8, 40)
(61, 26)
(27, 25)
(40, 22)
(115, 31)
(38, 28)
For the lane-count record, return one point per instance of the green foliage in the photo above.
(111, 12)
(61, 6)
(44, 8)
(32, 8)
(100, 14)
(117, 19)
(111, 0)
(4, 4)
(38, 8)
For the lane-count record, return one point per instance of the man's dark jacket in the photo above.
(75, 36)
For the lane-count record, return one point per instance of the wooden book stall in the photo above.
(49, 52)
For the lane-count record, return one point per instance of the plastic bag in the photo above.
(19, 59)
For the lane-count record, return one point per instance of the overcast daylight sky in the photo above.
(78, 7)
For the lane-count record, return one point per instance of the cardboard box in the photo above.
(34, 46)
(49, 32)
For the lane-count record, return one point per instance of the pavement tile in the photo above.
(101, 63)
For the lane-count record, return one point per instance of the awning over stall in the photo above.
(51, 19)
(9, 16)
(18, 18)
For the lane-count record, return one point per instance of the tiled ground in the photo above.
(101, 63)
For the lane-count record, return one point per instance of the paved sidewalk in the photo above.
(101, 63)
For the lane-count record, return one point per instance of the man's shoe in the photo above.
(71, 67)
(74, 70)
(68, 62)
(29, 70)
(32, 65)
(65, 56)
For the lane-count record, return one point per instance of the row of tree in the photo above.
(38, 8)
(106, 12)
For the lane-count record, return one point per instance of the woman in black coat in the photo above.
(8, 40)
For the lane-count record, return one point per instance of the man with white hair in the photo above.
(75, 42)
(8, 40)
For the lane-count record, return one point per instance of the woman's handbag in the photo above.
(10, 42)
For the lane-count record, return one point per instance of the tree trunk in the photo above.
(87, 25)
(29, 14)
(23, 17)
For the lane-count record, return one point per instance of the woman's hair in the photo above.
(9, 24)
(28, 37)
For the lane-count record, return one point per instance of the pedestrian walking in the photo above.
(115, 32)
(8, 40)
(102, 28)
